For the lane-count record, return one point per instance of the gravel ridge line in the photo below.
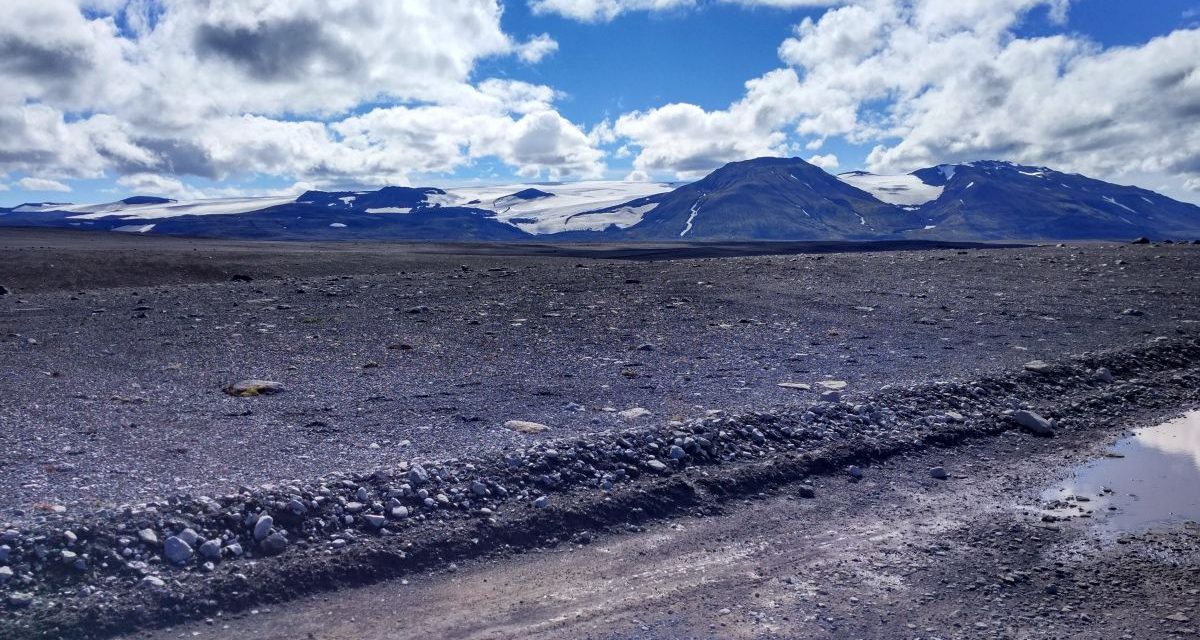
(153, 565)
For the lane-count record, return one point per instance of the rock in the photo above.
(148, 536)
(1132, 312)
(831, 396)
(1033, 422)
(400, 513)
(152, 582)
(799, 386)
(251, 388)
(417, 476)
(274, 544)
(1103, 375)
(176, 550)
(525, 426)
(20, 599)
(855, 472)
(240, 277)
(4, 291)
(657, 466)
(542, 502)
(480, 489)
(6, 574)
(833, 385)
(677, 452)
(189, 536)
(1142, 240)
(1037, 366)
(5, 552)
(806, 491)
(633, 413)
(939, 473)
(211, 549)
(375, 520)
(262, 528)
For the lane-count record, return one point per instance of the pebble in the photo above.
(375, 520)
(20, 599)
(189, 536)
(211, 548)
(274, 544)
(1033, 422)
(1103, 375)
(1037, 366)
(251, 388)
(525, 426)
(262, 527)
(806, 491)
(542, 502)
(634, 413)
(176, 550)
(148, 536)
(855, 472)
(939, 473)
(417, 476)
(833, 385)
(6, 574)
(657, 466)
(677, 452)
(800, 386)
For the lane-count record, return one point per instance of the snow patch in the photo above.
(561, 213)
(1114, 201)
(337, 225)
(223, 206)
(390, 210)
(901, 190)
(692, 218)
(134, 228)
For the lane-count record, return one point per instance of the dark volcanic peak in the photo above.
(530, 194)
(768, 199)
(387, 197)
(990, 200)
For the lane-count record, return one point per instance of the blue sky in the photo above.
(642, 94)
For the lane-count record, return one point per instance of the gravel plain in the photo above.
(113, 397)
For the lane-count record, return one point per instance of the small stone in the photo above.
(1132, 312)
(211, 548)
(525, 426)
(1103, 375)
(152, 582)
(189, 536)
(251, 388)
(1033, 422)
(542, 502)
(479, 489)
(262, 528)
(939, 473)
(855, 472)
(148, 536)
(20, 599)
(677, 452)
(833, 385)
(274, 544)
(400, 513)
(1037, 366)
(831, 396)
(375, 520)
(176, 550)
(656, 466)
(633, 413)
(806, 491)
(6, 574)
(799, 386)
(417, 476)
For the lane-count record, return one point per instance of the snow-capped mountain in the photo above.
(761, 199)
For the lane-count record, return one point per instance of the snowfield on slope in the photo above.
(902, 190)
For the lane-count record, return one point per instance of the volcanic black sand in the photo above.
(395, 354)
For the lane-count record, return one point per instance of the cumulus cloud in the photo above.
(41, 184)
(932, 81)
(827, 161)
(606, 10)
(159, 91)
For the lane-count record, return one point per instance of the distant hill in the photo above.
(766, 199)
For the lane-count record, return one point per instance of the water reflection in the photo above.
(1149, 479)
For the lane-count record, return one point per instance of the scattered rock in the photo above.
(4, 291)
(542, 502)
(1033, 422)
(240, 277)
(525, 426)
(1038, 366)
(799, 386)
(148, 536)
(250, 388)
(806, 491)
(633, 413)
(1132, 312)
(833, 385)
(6, 574)
(1142, 240)
(1103, 375)
(939, 473)
(855, 472)
(656, 466)
(262, 528)
(20, 599)
(211, 549)
(176, 550)
(274, 544)
(375, 520)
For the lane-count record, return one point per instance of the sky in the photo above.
(211, 98)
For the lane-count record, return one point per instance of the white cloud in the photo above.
(537, 48)
(932, 81)
(827, 161)
(41, 184)
(233, 89)
(606, 10)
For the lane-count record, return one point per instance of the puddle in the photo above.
(1148, 480)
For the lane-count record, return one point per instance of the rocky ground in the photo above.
(139, 492)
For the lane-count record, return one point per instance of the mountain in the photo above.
(766, 199)
(994, 200)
